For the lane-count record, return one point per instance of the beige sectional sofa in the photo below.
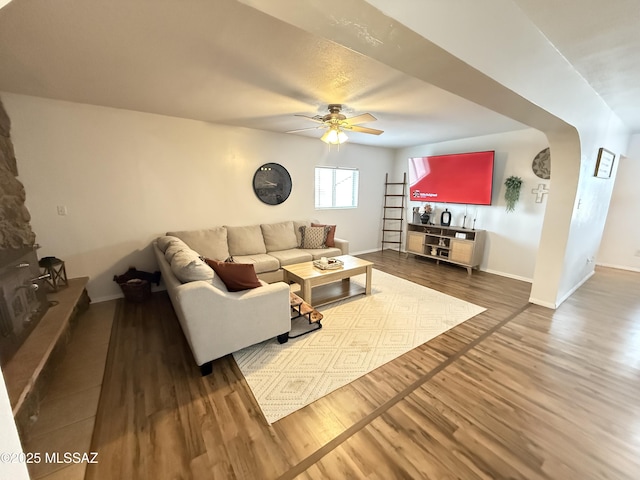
(268, 246)
(217, 321)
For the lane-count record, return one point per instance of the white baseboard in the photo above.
(493, 272)
(508, 275)
(106, 298)
(116, 296)
(619, 267)
(542, 303)
(576, 287)
(362, 252)
(565, 296)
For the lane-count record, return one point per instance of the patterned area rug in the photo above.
(358, 335)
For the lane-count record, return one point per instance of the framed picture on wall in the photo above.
(604, 164)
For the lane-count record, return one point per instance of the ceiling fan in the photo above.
(336, 123)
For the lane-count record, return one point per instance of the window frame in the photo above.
(355, 175)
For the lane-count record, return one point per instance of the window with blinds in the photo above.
(336, 187)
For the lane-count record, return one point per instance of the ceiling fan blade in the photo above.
(364, 118)
(317, 118)
(355, 128)
(306, 129)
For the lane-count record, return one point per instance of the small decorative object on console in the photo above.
(424, 218)
(416, 215)
(445, 218)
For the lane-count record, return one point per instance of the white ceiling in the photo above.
(224, 62)
(601, 39)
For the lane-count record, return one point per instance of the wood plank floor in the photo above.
(519, 392)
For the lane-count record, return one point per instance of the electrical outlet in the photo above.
(637, 253)
(62, 210)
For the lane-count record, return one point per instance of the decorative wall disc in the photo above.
(541, 165)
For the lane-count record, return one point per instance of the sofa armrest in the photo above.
(216, 322)
(343, 245)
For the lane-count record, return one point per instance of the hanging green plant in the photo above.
(512, 194)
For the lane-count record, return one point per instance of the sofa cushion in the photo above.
(291, 256)
(296, 228)
(173, 249)
(236, 276)
(279, 236)
(166, 240)
(245, 240)
(313, 237)
(317, 253)
(187, 266)
(262, 262)
(330, 236)
(210, 243)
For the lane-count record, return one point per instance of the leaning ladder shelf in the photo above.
(393, 214)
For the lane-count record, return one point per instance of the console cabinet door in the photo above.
(415, 242)
(461, 251)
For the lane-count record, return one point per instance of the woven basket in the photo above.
(136, 290)
(136, 284)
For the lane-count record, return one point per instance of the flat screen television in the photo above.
(457, 178)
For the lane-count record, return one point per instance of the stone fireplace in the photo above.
(33, 336)
(23, 301)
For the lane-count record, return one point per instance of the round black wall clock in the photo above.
(272, 183)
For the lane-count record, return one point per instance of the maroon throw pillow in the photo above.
(236, 276)
(330, 236)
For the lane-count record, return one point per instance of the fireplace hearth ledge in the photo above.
(27, 373)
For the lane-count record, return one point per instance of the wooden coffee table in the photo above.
(326, 284)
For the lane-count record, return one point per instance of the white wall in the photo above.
(512, 237)
(126, 177)
(620, 246)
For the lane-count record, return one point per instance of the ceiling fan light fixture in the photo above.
(334, 136)
(336, 124)
(325, 137)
